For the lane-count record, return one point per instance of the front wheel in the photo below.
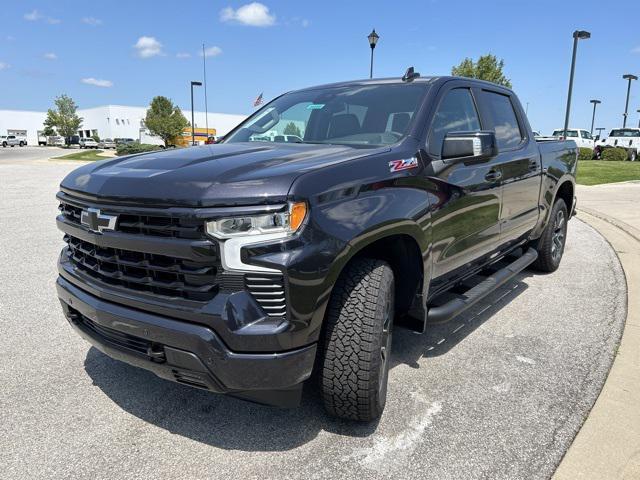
(357, 341)
(550, 245)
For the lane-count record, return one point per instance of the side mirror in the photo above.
(469, 145)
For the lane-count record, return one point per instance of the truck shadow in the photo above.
(232, 424)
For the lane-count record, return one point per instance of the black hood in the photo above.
(223, 174)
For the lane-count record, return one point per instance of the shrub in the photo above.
(585, 154)
(614, 154)
(131, 148)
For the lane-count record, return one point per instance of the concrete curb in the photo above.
(608, 444)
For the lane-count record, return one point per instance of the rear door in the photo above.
(518, 160)
(465, 217)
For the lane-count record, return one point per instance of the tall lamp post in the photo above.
(577, 35)
(193, 132)
(599, 130)
(373, 40)
(638, 118)
(628, 77)
(593, 117)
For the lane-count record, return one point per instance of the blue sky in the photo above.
(127, 52)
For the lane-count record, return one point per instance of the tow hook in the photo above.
(156, 353)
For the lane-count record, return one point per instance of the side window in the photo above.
(456, 113)
(586, 134)
(505, 122)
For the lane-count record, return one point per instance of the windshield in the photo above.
(358, 115)
(570, 133)
(625, 132)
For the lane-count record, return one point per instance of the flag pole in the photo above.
(206, 107)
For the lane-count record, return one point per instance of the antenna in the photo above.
(410, 75)
(206, 107)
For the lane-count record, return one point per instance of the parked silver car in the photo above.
(106, 143)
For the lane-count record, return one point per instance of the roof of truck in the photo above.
(398, 80)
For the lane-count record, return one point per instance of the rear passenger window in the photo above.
(503, 117)
(456, 113)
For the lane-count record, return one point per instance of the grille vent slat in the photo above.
(269, 292)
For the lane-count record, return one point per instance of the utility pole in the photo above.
(206, 103)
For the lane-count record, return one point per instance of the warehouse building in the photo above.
(109, 121)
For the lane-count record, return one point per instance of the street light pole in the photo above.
(577, 35)
(628, 77)
(373, 40)
(599, 130)
(638, 118)
(593, 117)
(193, 132)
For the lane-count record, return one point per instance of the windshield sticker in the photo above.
(406, 164)
(315, 106)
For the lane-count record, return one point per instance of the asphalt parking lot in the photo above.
(497, 393)
(11, 155)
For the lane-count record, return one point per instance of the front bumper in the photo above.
(184, 352)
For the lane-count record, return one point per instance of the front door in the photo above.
(465, 217)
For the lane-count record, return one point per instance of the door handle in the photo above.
(493, 175)
(533, 164)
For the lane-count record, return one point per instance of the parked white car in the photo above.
(88, 143)
(627, 138)
(12, 141)
(582, 137)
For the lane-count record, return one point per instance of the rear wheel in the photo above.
(633, 155)
(551, 244)
(357, 341)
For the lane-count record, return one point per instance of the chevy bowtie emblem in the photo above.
(96, 221)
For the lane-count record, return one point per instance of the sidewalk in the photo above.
(608, 445)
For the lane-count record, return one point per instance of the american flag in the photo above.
(258, 101)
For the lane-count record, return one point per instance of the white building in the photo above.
(109, 121)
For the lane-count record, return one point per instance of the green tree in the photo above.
(165, 119)
(63, 117)
(292, 129)
(488, 68)
(48, 131)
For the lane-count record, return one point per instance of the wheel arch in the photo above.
(403, 249)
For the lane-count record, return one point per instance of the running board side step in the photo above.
(456, 306)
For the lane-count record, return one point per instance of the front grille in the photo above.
(144, 272)
(153, 225)
(269, 292)
(109, 335)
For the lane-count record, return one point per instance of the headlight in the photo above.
(284, 223)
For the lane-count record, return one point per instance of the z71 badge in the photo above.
(406, 164)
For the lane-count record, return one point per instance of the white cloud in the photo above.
(91, 21)
(253, 14)
(33, 16)
(148, 47)
(4, 66)
(636, 50)
(212, 51)
(96, 82)
(50, 56)
(183, 55)
(305, 23)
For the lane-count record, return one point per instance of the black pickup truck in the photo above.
(245, 266)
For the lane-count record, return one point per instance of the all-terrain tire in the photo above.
(550, 245)
(356, 344)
